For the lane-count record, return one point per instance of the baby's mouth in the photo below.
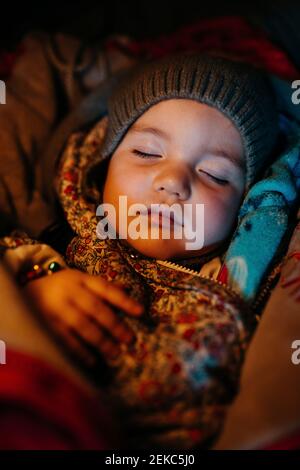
(163, 217)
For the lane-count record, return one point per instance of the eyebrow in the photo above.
(151, 130)
(228, 156)
(218, 152)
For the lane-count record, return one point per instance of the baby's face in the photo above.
(185, 152)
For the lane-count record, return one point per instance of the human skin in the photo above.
(88, 317)
(180, 172)
(185, 152)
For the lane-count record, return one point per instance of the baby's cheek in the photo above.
(219, 217)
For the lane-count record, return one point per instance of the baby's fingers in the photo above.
(77, 348)
(82, 326)
(113, 294)
(102, 345)
(103, 316)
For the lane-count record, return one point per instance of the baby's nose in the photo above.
(174, 183)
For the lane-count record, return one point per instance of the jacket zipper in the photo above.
(170, 264)
(178, 267)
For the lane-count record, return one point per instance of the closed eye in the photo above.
(144, 154)
(219, 181)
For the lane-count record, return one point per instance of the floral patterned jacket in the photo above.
(172, 386)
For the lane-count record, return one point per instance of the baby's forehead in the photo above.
(183, 114)
(190, 124)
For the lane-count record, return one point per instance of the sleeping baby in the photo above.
(150, 313)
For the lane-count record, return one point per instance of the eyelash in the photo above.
(217, 180)
(214, 178)
(144, 154)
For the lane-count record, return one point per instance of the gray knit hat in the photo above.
(240, 91)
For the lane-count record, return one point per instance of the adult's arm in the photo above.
(267, 407)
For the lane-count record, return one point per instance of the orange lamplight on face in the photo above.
(197, 169)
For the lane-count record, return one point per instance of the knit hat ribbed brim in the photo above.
(241, 92)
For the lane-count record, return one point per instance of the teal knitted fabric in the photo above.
(264, 217)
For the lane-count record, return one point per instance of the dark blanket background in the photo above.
(94, 19)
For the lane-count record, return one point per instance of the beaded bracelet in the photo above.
(37, 271)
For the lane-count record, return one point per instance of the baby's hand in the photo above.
(79, 307)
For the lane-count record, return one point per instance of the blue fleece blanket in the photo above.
(264, 217)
